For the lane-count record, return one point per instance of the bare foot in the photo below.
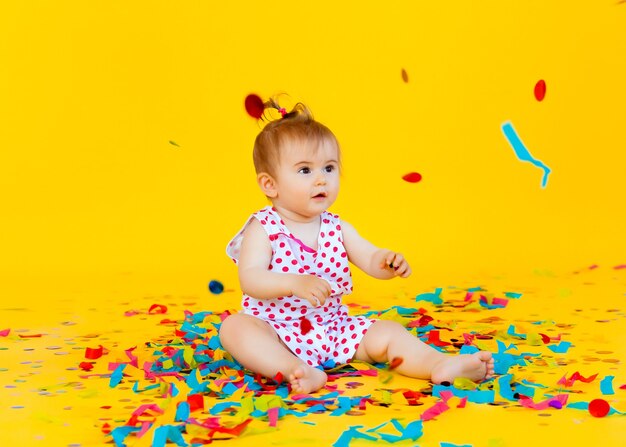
(306, 379)
(476, 367)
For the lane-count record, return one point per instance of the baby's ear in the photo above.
(267, 184)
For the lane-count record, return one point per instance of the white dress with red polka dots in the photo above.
(320, 336)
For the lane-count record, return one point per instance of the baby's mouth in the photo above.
(321, 195)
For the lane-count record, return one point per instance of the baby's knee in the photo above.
(229, 326)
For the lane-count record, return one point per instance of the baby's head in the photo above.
(296, 127)
(297, 161)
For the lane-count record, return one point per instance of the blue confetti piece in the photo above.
(182, 412)
(216, 287)
(502, 347)
(345, 405)
(522, 153)
(513, 295)
(504, 382)
(606, 385)
(525, 390)
(117, 375)
(168, 433)
(221, 406)
(350, 434)
(561, 348)
(533, 384)
(476, 396)
(119, 434)
(468, 349)
(174, 390)
(511, 331)
(431, 297)
(448, 444)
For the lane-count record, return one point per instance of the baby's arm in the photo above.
(259, 282)
(372, 260)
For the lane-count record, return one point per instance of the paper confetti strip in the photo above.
(522, 153)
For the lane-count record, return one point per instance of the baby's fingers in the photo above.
(395, 260)
(403, 270)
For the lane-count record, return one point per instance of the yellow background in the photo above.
(92, 93)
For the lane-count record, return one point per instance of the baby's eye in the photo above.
(304, 171)
(329, 168)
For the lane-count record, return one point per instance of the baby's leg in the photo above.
(255, 345)
(386, 340)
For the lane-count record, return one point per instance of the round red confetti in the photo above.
(599, 408)
(540, 90)
(254, 106)
(412, 177)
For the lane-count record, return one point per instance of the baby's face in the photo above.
(307, 179)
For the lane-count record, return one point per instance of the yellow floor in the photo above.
(47, 400)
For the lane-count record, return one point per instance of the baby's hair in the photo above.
(295, 125)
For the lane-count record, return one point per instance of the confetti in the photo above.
(254, 106)
(305, 325)
(606, 385)
(540, 90)
(412, 177)
(599, 408)
(94, 353)
(216, 287)
(522, 153)
(405, 75)
(157, 309)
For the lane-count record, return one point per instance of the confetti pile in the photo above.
(181, 388)
(205, 395)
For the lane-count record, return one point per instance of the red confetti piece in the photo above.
(106, 428)
(157, 309)
(412, 177)
(254, 106)
(405, 75)
(574, 377)
(540, 90)
(94, 353)
(545, 339)
(433, 339)
(395, 362)
(278, 378)
(30, 336)
(599, 408)
(4, 332)
(196, 402)
(305, 326)
(619, 267)
(86, 366)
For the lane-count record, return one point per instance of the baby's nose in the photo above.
(320, 179)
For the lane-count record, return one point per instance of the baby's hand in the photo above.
(311, 288)
(397, 263)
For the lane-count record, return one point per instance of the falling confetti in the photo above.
(254, 106)
(540, 90)
(522, 153)
(216, 287)
(405, 75)
(412, 177)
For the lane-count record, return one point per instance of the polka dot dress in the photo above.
(323, 335)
